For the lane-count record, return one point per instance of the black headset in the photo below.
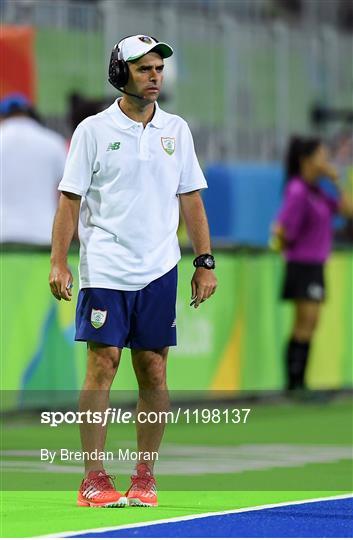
(118, 74)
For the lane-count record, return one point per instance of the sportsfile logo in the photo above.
(112, 415)
(113, 146)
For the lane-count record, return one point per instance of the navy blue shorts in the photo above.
(143, 319)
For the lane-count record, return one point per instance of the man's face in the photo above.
(146, 77)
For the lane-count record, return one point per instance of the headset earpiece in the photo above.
(118, 69)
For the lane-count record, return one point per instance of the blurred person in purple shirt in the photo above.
(303, 230)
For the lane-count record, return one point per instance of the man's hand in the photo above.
(203, 285)
(60, 281)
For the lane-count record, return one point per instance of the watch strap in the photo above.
(206, 260)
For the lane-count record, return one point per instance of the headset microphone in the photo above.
(129, 94)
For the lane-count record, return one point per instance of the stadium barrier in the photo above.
(233, 342)
(242, 201)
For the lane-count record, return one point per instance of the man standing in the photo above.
(132, 165)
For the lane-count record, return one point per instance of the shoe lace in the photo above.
(103, 482)
(143, 482)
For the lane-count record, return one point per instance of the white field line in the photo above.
(195, 516)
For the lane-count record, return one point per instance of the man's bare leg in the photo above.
(102, 365)
(150, 370)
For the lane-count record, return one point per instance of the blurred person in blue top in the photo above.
(304, 232)
(32, 163)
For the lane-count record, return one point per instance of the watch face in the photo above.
(208, 262)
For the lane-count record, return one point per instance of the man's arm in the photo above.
(204, 282)
(65, 223)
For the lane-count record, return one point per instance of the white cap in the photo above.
(133, 47)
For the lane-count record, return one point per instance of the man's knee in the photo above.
(150, 368)
(103, 363)
(152, 375)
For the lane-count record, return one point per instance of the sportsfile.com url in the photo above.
(119, 416)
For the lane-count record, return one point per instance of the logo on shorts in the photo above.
(98, 318)
(315, 291)
(168, 144)
(174, 324)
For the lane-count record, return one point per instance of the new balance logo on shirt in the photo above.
(113, 146)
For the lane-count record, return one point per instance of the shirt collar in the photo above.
(157, 120)
(125, 122)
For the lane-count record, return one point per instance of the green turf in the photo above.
(320, 426)
(54, 512)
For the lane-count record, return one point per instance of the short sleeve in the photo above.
(293, 210)
(79, 163)
(192, 177)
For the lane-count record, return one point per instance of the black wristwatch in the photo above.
(205, 261)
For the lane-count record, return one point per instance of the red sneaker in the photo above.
(142, 491)
(98, 490)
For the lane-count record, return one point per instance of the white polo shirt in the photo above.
(130, 179)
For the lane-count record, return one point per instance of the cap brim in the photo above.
(163, 49)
